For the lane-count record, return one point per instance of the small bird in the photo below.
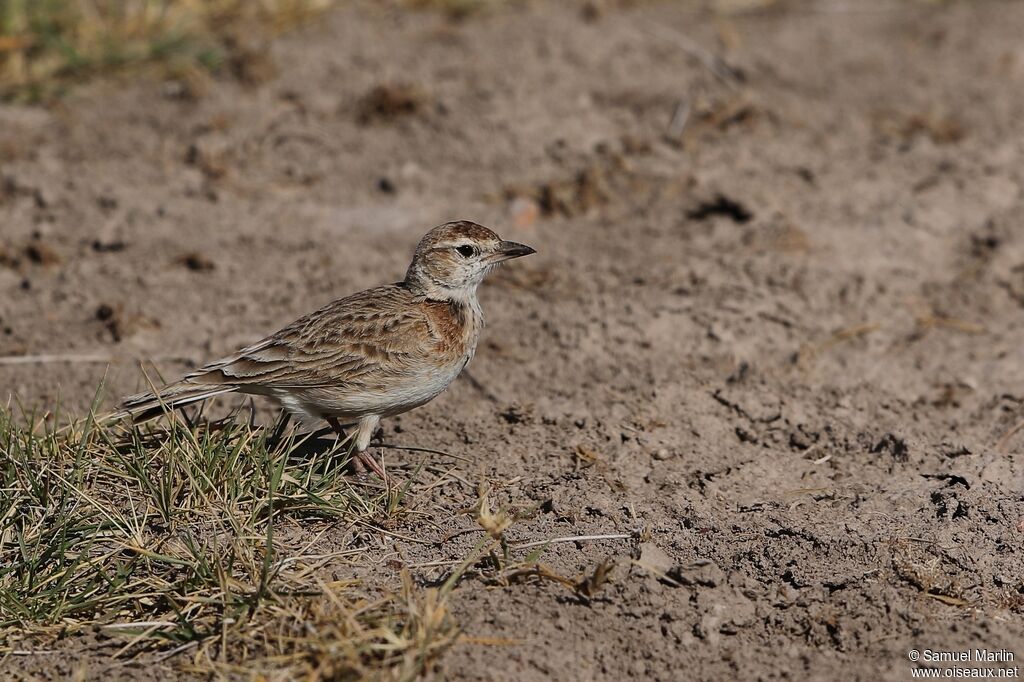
(373, 354)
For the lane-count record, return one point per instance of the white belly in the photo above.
(348, 404)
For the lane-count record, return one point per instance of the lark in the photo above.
(367, 356)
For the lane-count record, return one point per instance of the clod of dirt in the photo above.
(8, 259)
(39, 253)
(953, 450)
(590, 12)
(724, 114)
(208, 154)
(894, 445)
(196, 262)
(721, 205)
(784, 237)
(249, 58)
(515, 414)
(927, 576)
(950, 479)
(107, 202)
(576, 196)
(454, 10)
(111, 319)
(947, 504)
(1013, 284)
(703, 573)
(939, 128)
(745, 436)
(188, 83)
(655, 558)
(386, 103)
(800, 439)
(984, 246)
(119, 325)
(113, 246)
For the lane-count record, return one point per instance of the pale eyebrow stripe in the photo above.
(451, 246)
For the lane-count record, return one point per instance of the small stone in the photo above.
(703, 572)
(387, 103)
(524, 212)
(661, 454)
(108, 246)
(655, 558)
(787, 593)
(107, 202)
(196, 262)
(44, 197)
(104, 312)
(41, 254)
(209, 154)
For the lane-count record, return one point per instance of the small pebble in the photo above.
(524, 212)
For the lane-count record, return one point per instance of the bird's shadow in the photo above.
(322, 450)
(318, 451)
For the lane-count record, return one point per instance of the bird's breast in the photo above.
(454, 327)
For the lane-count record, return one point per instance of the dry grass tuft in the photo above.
(334, 637)
(172, 545)
(45, 44)
(455, 9)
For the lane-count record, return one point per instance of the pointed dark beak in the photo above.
(510, 250)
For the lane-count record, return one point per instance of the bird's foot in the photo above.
(361, 459)
(364, 460)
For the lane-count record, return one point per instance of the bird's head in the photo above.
(452, 259)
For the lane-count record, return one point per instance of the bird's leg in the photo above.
(357, 465)
(367, 425)
(361, 460)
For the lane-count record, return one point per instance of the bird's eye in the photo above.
(466, 250)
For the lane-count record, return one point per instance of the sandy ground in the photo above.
(783, 345)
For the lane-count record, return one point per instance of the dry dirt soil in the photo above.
(773, 326)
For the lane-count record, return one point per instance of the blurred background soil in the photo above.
(773, 325)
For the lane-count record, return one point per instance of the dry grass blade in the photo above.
(1004, 440)
(715, 64)
(43, 359)
(572, 538)
(590, 585)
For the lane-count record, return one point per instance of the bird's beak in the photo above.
(510, 250)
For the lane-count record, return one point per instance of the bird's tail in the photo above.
(172, 397)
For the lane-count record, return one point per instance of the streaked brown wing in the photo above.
(362, 338)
